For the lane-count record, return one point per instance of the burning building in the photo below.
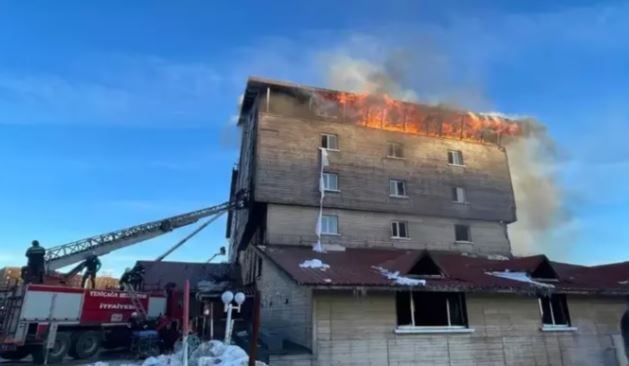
(377, 234)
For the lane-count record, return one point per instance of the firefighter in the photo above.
(92, 266)
(35, 265)
(624, 328)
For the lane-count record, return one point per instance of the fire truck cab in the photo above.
(49, 322)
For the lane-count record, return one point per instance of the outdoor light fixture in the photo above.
(227, 297)
(239, 298)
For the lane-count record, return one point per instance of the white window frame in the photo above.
(461, 195)
(394, 147)
(325, 226)
(469, 234)
(457, 158)
(395, 192)
(327, 179)
(415, 329)
(327, 137)
(395, 230)
(554, 327)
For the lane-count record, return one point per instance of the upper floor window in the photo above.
(399, 230)
(455, 157)
(397, 188)
(329, 224)
(458, 195)
(462, 233)
(554, 311)
(395, 150)
(329, 141)
(330, 182)
(417, 310)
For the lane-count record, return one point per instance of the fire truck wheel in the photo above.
(16, 355)
(56, 354)
(87, 344)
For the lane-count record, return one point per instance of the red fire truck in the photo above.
(68, 320)
(51, 320)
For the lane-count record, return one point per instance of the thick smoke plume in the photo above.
(532, 154)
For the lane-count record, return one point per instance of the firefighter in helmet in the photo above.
(92, 266)
(36, 264)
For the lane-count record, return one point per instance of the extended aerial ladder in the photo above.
(78, 251)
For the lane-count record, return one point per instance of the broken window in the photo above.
(399, 229)
(458, 195)
(554, 311)
(330, 181)
(329, 224)
(329, 142)
(397, 188)
(455, 157)
(395, 150)
(431, 309)
(462, 233)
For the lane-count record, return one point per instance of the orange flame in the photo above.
(386, 113)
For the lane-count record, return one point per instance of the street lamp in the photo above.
(227, 297)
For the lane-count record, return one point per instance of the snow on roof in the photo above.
(400, 280)
(520, 277)
(314, 264)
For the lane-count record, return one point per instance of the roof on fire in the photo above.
(363, 267)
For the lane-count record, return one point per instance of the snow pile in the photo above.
(212, 353)
(400, 280)
(497, 257)
(314, 264)
(520, 277)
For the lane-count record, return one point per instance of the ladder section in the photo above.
(137, 304)
(11, 301)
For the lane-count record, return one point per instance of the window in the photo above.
(430, 310)
(330, 182)
(397, 188)
(329, 142)
(458, 195)
(259, 267)
(395, 150)
(330, 224)
(455, 157)
(399, 229)
(554, 311)
(462, 233)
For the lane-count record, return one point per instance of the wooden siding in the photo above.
(295, 225)
(287, 171)
(358, 330)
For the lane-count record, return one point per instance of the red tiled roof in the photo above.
(357, 267)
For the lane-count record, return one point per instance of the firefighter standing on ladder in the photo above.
(35, 265)
(92, 266)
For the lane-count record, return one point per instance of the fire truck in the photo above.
(51, 320)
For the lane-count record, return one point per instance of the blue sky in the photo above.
(113, 113)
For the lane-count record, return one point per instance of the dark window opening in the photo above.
(425, 267)
(455, 157)
(395, 150)
(259, 268)
(431, 309)
(545, 272)
(554, 310)
(329, 142)
(399, 229)
(462, 233)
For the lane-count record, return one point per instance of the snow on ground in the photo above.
(520, 277)
(212, 353)
(400, 280)
(314, 263)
